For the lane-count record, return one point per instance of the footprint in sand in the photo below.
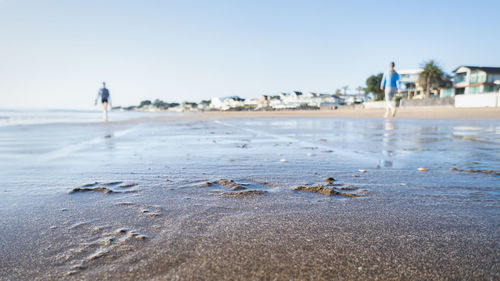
(105, 187)
(104, 245)
(146, 210)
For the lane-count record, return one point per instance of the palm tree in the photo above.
(360, 90)
(430, 76)
(345, 89)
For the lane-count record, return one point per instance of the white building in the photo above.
(327, 98)
(470, 80)
(251, 103)
(275, 102)
(298, 99)
(202, 106)
(410, 86)
(476, 86)
(225, 103)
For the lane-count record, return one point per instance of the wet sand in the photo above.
(422, 112)
(431, 112)
(214, 199)
(404, 113)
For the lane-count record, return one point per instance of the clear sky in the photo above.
(54, 54)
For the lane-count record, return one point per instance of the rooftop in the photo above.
(487, 69)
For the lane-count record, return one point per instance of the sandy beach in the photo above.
(431, 112)
(213, 196)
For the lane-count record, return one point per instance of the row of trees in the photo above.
(158, 104)
(344, 89)
(165, 105)
(431, 77)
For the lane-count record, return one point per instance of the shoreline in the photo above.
(402, 113)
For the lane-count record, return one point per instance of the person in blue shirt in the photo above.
(105, 100)
(390, 85)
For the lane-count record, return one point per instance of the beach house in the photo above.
(263, 101)
(475, 86)
(291, 100)
(470, 80)
(252, 103)
(275, 102)
(310, 99)
(410, 86)
(329, 101)
(225, 103)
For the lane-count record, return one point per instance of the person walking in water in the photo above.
(390, 84)
(105, 100)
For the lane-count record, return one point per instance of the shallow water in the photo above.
(167, 163)
(37, 117)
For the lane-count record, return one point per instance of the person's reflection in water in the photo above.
(110, 142)
(387, 143)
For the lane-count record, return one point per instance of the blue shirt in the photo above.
(103, 93)
(390, 80)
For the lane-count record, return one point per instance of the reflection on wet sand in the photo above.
(388, 143)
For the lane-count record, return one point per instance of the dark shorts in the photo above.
(104, 101)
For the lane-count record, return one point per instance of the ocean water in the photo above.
(32, 117)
